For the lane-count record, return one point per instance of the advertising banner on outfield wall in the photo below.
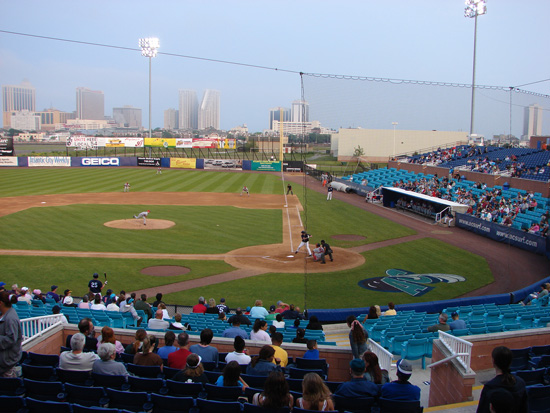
(273, 166)
(160, 142)
(183, 163)
(153, 162)
(45, 161)
(116, 142)
(85, 161)
(8, 161)
(501, 233)
(6, 146)
(223, 164)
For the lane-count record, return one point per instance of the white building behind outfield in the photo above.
(379, 144)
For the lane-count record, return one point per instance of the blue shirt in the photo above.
(397, 390)
(262, 368)
(311, 354)
(219, 382)
(164, 351)
(357, 387)
(233, 332)
(457, 324)
(207, 353)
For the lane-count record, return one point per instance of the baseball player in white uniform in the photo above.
(245, 190)
(126, 187)
(143, 215)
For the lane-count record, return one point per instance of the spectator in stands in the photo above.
(86, 327)
(164, 310)
(178, 359)
(235, 330)
(276, 394)
(373, 372)
(280, 353)
(504, 380)
(222, 317)
(501, 401)
(212, 308)
(278, 322)
(258, 332)
(112, 306)
(127, 306)
(258, 311)
(357, 337)
(300, 336)
(239, 355)
(401, 389)
(441, 326)
(98, 305)
(372, 315)
(315, 394)
(193, 371)
(231, 376)
(391, 309)
(169, 338)
(85, 303)
(263, 364)
(240, 317)
(108, 336)
(543, 291)
(199, 308)
(158, 300)
(207, 352)
(358, 386)
(135, 347)
(456, 324)
(57, 310)
(291, 313)
(312, 353)
(76, 359)
(24, 295)
(176, 324)
(281, 307)
(53, 293)
(158, 323)
(68, 299)
(106, 299)
(146, 357)
(106, 363)
(144, 306)
(222, 308)
(37, 295)
(314, 324)
(11, 337)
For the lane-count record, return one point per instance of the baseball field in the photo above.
(202, 238)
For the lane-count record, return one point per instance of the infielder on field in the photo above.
(305, 241)
(245, 190)
(143, 215)
(126, 187)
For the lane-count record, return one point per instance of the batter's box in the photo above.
(280, 258)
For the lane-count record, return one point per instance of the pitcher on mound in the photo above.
(143, 215)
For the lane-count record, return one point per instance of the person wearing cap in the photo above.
(358, 386)
(143, 215)
(282, 307)
(305, 241)
(127, 306)
(11, 337)
(25, 296)
(95, 285)
(401, 389)
(2, 286)
(53, 293)
(67, 300)
(222, 307)
(441, 326)
(240, 317)
(457, 324)
(112, 304)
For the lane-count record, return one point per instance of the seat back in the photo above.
(86, 396)
(531, 377)
(44, 390)
(145, 384)
(42, 373)
(296, 373)
(144, 371)
(214, 406)
(106, 380)
(133, 401)
(520, 359)
(353, 405)
(11, 386)
(181, 389)
(225, 393)
(309, 364)
(251, 408)
(399, 406)
(37, 359)
(12, 404)
(41, 406)
(171, 404)
(254, 381)
(74, 376)
(538, 398)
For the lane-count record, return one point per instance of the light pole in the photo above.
(149, 48)
(473, 9)
(394, 125)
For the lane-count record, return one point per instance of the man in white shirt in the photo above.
(238, 355)
(76, 359)
(158, 323)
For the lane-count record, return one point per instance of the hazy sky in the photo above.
(406, 39)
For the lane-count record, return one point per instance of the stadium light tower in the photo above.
(149, 48)
(473, 9)
(394, 125)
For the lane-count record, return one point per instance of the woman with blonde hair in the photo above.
(258, 311)
(108, 336)
(212, 309)
(315, 394)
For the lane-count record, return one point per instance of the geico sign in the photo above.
(100, 161)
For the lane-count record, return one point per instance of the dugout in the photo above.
(392, 195)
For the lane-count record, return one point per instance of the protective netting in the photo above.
(374, 103)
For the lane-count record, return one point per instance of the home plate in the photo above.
(290, 256)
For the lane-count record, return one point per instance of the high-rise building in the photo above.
(189, 109)
(90, 104)
(127, 117)
(209, 111)
(17, 98)
(171, 119)
(275, 115)
(532, 121)
(25, 120)
(300, 111)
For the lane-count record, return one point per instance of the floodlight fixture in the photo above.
(149, 46)
(475, 8)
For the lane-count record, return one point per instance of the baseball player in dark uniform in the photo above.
(326, 247)
(329, 192)
(95, 285)
(305, 241)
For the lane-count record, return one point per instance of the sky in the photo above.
(398, 39)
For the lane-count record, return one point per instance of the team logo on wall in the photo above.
(402, 281)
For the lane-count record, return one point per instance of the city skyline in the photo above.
(396, 39)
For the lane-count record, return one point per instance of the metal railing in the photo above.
(38, 326)
(384, 356)
(460, 349)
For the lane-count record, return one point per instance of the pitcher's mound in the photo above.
(138, 224)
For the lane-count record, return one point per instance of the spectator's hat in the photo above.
(454, 314)
(272, 308)
(96, 275)
(2, 284)
(404, 367)
(130, 301)
(357, 365)
(67, 291)
(54, 287)
(24, 289)
(248, 309)
(37, 291)
(113, 296)
(303, 232)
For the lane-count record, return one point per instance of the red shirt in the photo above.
(178, 359)
(280, 310)
(199, 308)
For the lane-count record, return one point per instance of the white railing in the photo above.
(37, 326)
(384, 356)
(460, 349)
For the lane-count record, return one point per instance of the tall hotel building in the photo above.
(171, 119)
(300, 111)
(532, 121)
(209, 111)
(275, 115)
(90, 104)
(188, 110)
(17, 98)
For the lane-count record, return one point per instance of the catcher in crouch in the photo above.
(143, 215)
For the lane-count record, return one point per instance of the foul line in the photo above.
(299, 216)
(273, 259)
(289, 230)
